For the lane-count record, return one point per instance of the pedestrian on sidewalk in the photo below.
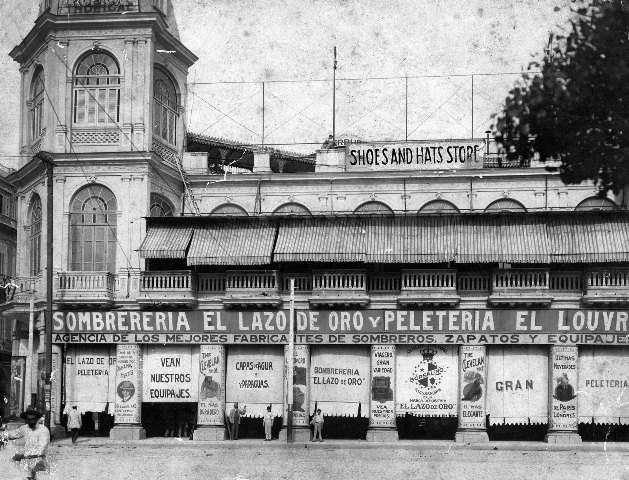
(234, 420)
(268, 423)
(74, 423)
(36, 440)
(317, 421)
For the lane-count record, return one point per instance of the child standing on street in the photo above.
(317, 421)
(268, 423)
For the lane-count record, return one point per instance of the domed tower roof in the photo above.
(112, 7)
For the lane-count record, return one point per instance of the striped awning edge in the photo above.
(166, 241)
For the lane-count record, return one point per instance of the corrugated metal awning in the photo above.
(417, 239)
(321, 239)
(590, 237)
(233, 242)
(166, 241)
(514, 238)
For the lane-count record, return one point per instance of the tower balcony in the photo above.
(85, 289)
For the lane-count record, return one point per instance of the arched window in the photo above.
(505, 205)
(96, 90)
(596, 204)
(34, 220)
(229, 209)
(36, 104)
(374, 208)
(160, 207)
(439, 206)
(165, 107)
(93, 230)
(291, 209)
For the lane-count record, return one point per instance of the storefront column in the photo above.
(563, 415)
(472, 394)
(128, 409)
(211, 412)
(55, 393)
(301, 393)
(382, 424)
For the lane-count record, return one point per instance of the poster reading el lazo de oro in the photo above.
(212, 384)
(170, 374)
(128, 384)
(517, 390)
(339, 380)
(472, 387)
(427, 380)
(89, 371)
(382, 407)
(603, 385)
(563, 383)
(255, 379)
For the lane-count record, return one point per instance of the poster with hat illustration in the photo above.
(472, 386)
(563, 382)
(427, 380)
(211, 384)
(128, 386)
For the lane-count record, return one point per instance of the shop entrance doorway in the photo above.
(169, 419)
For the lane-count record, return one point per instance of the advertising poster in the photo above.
(211, 385)
(88, 372)
(563, 383)
(472, 388)
(517, 387)
(255, 379)
(170, 374)
(603, 385)
(18, 370)
(339, 380)
(301, 366)
(382, 406)
(128, 385)
(427, 380)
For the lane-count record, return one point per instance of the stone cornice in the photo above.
(48, 22)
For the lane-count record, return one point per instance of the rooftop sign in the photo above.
(420, 155)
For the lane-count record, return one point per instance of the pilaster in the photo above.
(128, 407)
(382, 421)
(563, 414)
(301, 393)
(472, 395)
(211, 410)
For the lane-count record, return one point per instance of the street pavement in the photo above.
(168, 458)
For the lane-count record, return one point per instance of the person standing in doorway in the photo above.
(36, 440)
(268, 423)
(74, 423)
(317, 421)
(234, 420)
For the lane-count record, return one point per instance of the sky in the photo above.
(407, 69)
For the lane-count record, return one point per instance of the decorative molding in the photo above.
(166, 153)
(96, 137)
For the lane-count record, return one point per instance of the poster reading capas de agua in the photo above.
(427, 380)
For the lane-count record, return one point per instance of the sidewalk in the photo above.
(419, 445)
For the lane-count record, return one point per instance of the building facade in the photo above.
(434, 288)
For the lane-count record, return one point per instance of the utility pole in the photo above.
(334, 100)
(47, 160)
(291, 362)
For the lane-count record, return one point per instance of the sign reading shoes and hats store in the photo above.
(421, 155)
(395, 327)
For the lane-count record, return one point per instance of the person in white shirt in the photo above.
(268, 423)
(74, 423)
(36, 440)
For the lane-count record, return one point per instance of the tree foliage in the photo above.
(576, 110)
